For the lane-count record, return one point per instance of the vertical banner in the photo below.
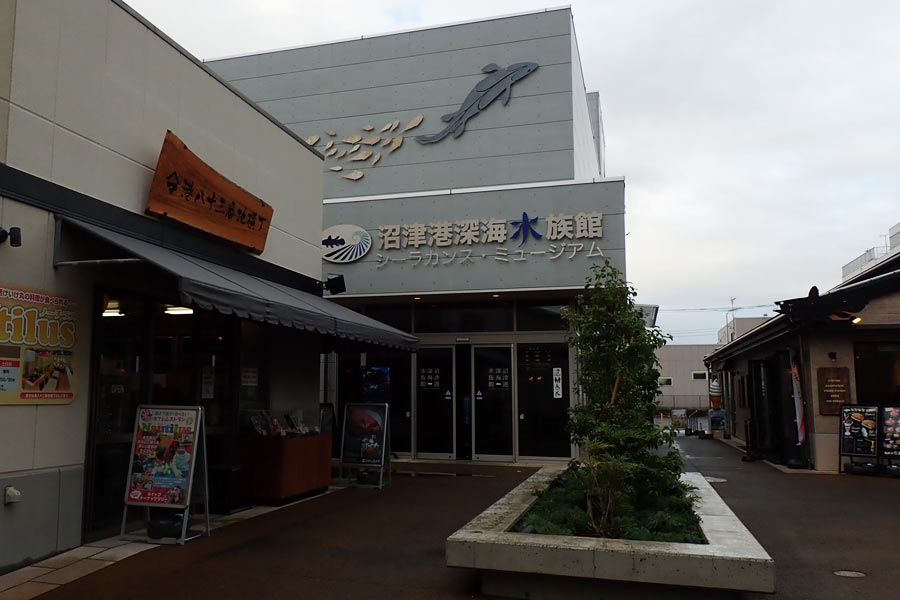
(37, 347)
(799, 416)
(163, 457)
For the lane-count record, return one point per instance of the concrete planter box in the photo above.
(523, 565)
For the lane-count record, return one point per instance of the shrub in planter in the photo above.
(627, 482)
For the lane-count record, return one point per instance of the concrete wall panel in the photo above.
(33, 523)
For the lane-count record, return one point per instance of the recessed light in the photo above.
(495, 295)
(417, 297)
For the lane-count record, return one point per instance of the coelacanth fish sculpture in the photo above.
(496, 85)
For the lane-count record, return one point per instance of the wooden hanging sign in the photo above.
(188, 190)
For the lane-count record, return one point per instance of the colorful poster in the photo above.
(860, 429)
(165, 444)
(37, 347)
(365, 431)
(890, 444)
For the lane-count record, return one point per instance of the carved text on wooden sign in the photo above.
(188, 190)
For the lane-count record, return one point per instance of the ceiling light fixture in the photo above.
(856, 320)
(179, 310)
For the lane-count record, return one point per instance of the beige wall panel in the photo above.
(7, 29)
(825, 451)
(31, 261)
(36, 56)
(4, 128)
(82, 61)
(122, 181)
(76, 162)
(17, 438)
(290, 252)
(121, 127)
(819, 347)
(161, 97)
(30, 146)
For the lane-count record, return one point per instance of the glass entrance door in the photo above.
(492, 394)
(435, 403)
(543, 390)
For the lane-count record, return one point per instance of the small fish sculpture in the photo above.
(331, 242)
(312, 140)
(496, 85)
(376, 159)
(354, 175)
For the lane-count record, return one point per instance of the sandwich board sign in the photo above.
(168, 463)
(364, 438)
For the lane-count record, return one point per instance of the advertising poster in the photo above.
(365, 430)
(859, 430)
(165, 443)
(716, 420)
(890, 444)
(37, 347)
(679, 418)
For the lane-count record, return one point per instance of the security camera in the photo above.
(14, 235)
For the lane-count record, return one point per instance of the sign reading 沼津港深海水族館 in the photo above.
(442, 243)
(37, 347)
(165, 443)
(522, 238)
(188, 190)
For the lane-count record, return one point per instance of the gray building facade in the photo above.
(466, 200)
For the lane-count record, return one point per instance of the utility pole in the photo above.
(732, 319)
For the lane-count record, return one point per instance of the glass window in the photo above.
(395, 315)
(451, 318)
(699, 375)
(540, 316)
(665, 381)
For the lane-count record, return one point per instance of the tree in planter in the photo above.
(631, 488)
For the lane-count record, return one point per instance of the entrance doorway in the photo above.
(492, 398)
(543, 400)
(435, 403)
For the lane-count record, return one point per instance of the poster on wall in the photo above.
(859, 430)
(679, 418)
(164, 451)
(37, 347)
(365, 434)
(890, 419)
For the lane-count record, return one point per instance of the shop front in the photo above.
(817, 386)
(142, 266)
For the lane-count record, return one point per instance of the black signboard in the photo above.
(890, 441)
(716, 420)
(364, 434)
(859, 430)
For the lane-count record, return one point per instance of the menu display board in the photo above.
(716, 420)
(890, 433)
(163, 456)
(37, 347)
(859, 430)
(365, 434)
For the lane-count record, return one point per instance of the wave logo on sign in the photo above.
(345, 243)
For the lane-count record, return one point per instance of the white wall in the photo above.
(679, 361)
(93, 91)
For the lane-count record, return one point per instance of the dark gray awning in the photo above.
(211, 286)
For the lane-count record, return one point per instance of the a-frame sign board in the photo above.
(168, 468)
(365, 438)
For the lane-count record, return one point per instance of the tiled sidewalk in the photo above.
(58, 570)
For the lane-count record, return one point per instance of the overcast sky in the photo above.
(759, 140)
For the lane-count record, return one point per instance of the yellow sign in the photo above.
(37, 347)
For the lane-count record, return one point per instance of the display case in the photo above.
(284, 467)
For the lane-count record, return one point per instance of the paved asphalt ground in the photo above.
(354, 543)
(812, 525)
(362, 543)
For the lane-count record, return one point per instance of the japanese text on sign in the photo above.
(441, 243)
